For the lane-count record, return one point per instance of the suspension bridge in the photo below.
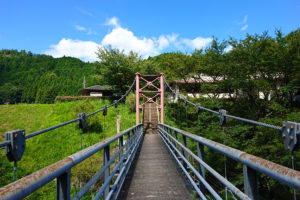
(152, 160)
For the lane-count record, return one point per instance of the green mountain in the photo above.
(27, 77)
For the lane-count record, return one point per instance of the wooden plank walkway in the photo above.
(155, 175)
(150, 118)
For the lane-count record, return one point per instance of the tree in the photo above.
(117, 69)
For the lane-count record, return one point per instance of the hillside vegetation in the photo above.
(30, 78)
(55, 145)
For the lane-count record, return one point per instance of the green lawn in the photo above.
(55, 145)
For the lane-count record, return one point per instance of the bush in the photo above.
(130, 102)
(92, 122)
(76, 98)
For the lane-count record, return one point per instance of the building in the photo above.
(97, 91)
(192, 88)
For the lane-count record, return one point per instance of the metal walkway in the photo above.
(155, 175)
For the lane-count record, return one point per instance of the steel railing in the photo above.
(61, 170)
(198, 106)
(7, 143)
(251, 164)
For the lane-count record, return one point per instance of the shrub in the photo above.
(76, 98)
(92, 122)
(130, 102)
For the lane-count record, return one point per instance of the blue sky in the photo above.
(76, 28)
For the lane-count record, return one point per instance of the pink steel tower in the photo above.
(141, 92)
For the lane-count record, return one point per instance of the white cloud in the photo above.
(244, 27)
(244, 21)
(228, 48)
(85, 50)
(88, 31)
(85, 12)
(197, 43)
(113, 22)
(80, 28)
(124, 39)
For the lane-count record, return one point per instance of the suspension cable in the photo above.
(226, 115)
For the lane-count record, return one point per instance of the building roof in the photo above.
(98, 88)
(200, 79)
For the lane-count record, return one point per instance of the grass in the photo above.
(55, 145)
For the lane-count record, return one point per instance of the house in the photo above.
(191, 87)
(97, 90)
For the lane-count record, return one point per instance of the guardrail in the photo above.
(81, 119)
(16, 140)
(61, 170)
(290, 130)
(251, 164)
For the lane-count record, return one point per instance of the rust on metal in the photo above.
(279, 169)
(19, 185)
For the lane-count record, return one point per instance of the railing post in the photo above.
(121, 152)
(250, 182)
(128, 138)
(63, 186)
(201, 169)
(183, 151)
(106, 157)
(176, 137)
(170, 134)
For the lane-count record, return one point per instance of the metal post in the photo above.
(137, 96)
(63, 186)
(106, 158)
(183, 151)
(250, 182)
(175, 135)
(128, 139)
(170, 134)
(201, 169)
(120, 147)
(162, 98)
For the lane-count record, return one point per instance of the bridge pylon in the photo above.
(150, 89)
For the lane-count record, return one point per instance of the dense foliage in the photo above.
(25, 77)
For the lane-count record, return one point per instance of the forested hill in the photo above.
(27, 77)
(258, 63)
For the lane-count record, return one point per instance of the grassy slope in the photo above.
(52, 146)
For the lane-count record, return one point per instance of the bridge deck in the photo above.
(155, 175)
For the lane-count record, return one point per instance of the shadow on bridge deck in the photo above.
(155, 175)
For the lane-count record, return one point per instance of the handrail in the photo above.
(278, 172)
(235, 190)
(198, 106)
(6, 143)
(27, 185)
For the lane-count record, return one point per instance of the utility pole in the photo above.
(84, 82)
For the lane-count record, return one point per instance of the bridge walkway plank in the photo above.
(155, 175)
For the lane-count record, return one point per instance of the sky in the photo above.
(149, 28)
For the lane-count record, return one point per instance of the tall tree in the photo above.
(117, 69)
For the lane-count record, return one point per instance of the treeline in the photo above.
(258, 65)
(31, 78)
